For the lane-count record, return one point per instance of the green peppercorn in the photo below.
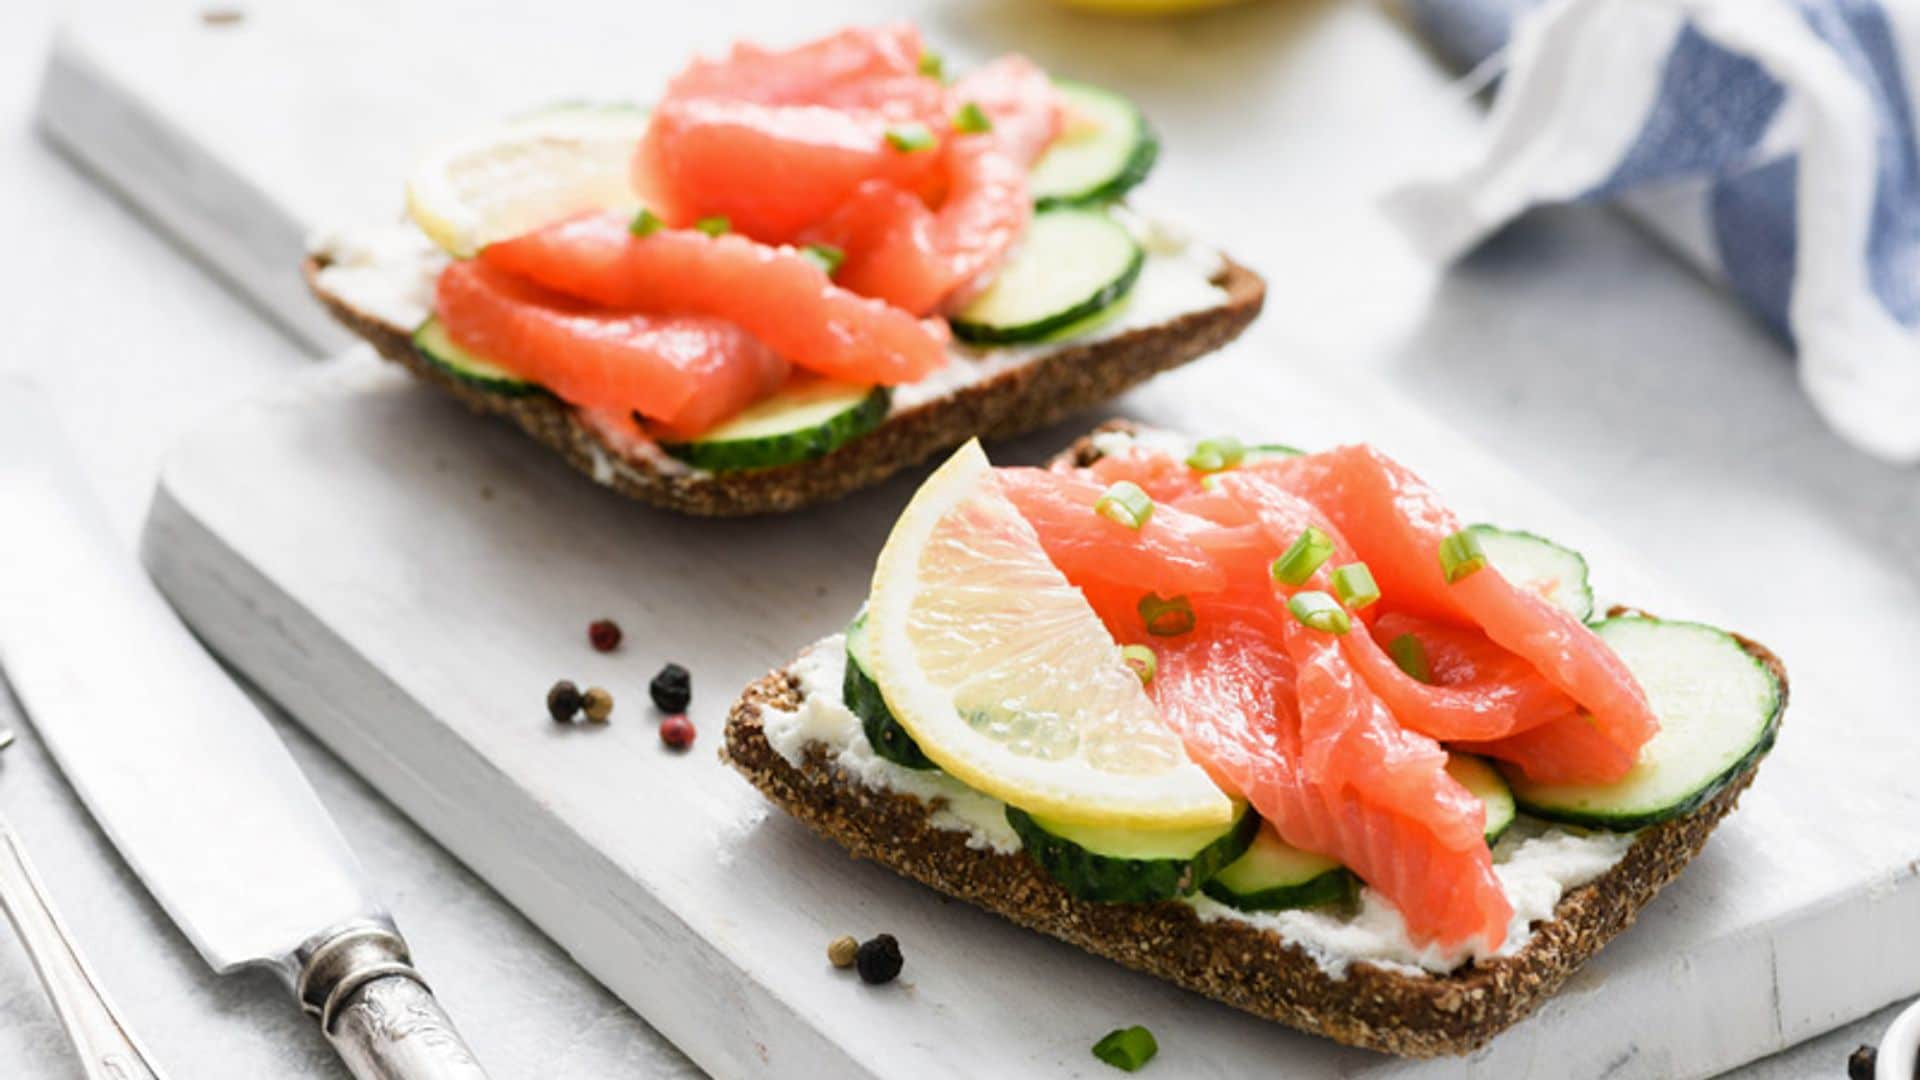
(597, 703)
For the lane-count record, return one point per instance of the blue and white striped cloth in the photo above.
(1773, 142)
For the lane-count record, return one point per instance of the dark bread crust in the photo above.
(1233, 962)
(1011, 403)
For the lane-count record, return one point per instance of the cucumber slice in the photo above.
(432, 342)
(1106, 149)
(1274, 874)
(1534, 562)
(1132, 866)
(797, 424)
(1719, 708)
(862, 695)
(1485, 783)
(1072, 265)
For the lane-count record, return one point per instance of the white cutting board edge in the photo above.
(1668, 1003)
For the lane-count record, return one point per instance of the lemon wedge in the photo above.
(1148, 7)
(1006, 678)
(526, 173)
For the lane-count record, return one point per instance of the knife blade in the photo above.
(185, 776)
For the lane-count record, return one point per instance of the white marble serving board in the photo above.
(336, 543)
(408, 580)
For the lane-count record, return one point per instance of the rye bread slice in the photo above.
(1413, 1015)
(1010, 403)
(1233, 962)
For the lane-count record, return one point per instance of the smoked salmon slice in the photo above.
(1229, 693)
(920, 257)
(1168, 553)
(783, 299)
(684, 372)
(1397, 524)
(772, 170)
(1479, 691)
(803, 72)
(776, 139)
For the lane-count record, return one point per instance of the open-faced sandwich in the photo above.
(797, 272)
(1273, 726)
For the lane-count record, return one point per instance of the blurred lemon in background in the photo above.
(1147, 7)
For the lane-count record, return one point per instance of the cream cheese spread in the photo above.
(389, 270)
(1536, 863)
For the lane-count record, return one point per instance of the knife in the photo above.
(185, 776)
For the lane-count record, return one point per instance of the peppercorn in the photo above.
(677, 731)
(878, 959)
(598, 704)
(842, 950)
(1862, 1063)
(604, 634)
(672, 689)
(563, 701)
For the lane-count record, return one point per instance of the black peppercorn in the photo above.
(672, 689)
(563, 702)
(1861, 1063)
(878, 959)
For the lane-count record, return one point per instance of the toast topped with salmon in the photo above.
(800, 270)
(1274, 726)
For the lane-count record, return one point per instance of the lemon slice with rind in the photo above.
(526, 173)
(1004, 675)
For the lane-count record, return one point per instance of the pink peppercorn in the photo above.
(677, 731)
(604, 634)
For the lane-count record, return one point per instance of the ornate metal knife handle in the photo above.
(107, 1049)
(377, 1011)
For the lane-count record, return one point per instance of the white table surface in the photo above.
(1672, 415)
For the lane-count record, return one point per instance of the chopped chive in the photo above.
(1143, 660)
(1407, 652)
(1165, 618)
(1312, 548)
(1212, 455)
(1461, 555)
(1354, 585)
(972, 119)
(1127, 1049)
(908, 138)
(1125, 503)
(1319, 611)
(827, 257)
(717, 225)
(646, 223)
(931, 65)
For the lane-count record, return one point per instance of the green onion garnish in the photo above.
(825, 256)
(1165, 618)
(1407, 652)
(1125, 503)
(972, 119)
(931, 65)
(1319, 611)
(908, 138)
(646, 223)
(1354, 585)
(1142, 659)
(717, 225)
(1212, 455)
(1127, 1048)
(1460, 555)
(1305, 556)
